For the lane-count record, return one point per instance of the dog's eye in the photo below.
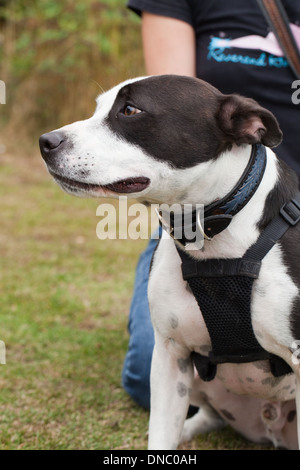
(130, 110)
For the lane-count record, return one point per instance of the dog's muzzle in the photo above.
(52, 146)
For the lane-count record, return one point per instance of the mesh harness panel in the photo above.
(229, 299)
(223, 290)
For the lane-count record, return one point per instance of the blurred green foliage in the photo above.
(57, 55)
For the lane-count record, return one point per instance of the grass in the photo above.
(65, 297)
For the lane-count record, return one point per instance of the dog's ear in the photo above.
(244, 121)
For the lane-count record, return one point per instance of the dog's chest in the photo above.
(177, 317)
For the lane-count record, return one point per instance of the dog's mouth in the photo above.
(127, 186)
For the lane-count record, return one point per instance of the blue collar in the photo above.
(245, 187)
(218, 215)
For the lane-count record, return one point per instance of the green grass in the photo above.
(65, 297)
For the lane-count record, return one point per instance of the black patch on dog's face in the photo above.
(185, 121)
(177, 121)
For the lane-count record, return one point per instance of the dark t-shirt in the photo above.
(237, 53)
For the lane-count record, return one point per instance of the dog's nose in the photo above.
(50, 141)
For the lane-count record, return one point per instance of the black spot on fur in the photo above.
(272, 381)
(227, 415)
(291, 416)
(182, 389)
(183, 364)
(173, 321)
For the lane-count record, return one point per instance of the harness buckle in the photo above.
(201, 228)
(168, 228)
(291, 212)
(171, 232)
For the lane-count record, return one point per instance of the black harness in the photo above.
(223, 287)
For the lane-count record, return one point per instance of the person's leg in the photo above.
(136, 369)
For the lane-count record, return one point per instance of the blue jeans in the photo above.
(136, 369)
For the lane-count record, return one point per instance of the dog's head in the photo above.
(144, 132)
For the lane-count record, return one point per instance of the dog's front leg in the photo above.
(171, 383)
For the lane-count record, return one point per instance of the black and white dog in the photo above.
(177, 140)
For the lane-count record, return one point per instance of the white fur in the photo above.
(178, 324)
(273, 297)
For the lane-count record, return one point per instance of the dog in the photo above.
(178, 140)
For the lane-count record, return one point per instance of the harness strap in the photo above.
(288, 216)
(223, 288)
